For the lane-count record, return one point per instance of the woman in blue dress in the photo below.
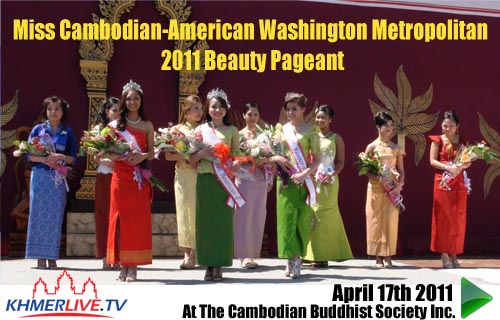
(48, 185)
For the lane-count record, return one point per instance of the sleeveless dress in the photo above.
(449, 209)
(130, 234)
(328, 238)
(382, 216)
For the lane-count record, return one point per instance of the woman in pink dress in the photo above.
(250, 220)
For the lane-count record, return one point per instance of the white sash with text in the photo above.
(300, 161)
(235, 198)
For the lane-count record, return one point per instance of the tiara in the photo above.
(132, 85)
(293, 95)
(218, 93)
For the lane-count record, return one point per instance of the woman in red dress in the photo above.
(449, 210)
(129, 236)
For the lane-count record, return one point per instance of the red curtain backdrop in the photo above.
(465, 76)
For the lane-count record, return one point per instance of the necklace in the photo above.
(133, 122)
(327, 135)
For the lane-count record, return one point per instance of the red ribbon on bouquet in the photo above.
(222, 152)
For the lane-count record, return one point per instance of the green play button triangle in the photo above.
(473, 298)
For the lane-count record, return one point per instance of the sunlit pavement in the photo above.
(270, 271)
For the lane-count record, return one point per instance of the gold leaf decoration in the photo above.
(491, 174)
(493, 139)
(385, 94)
(8, 136)
(409, 120)
(9, 110)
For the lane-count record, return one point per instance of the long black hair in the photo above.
(101, 118)
(124, 111)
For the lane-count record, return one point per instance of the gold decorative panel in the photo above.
(8, 136)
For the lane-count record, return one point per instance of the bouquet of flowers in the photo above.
(142, 172)
(101, 142)
(273, 136)
(223, 157)
(260, 147)
(466, 154)
(42, 146)
(37, 147)
(172, 140)
(477, 151)
(326, 167)
(370, 163)
(323, 171)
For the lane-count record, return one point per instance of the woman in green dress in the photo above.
(301, 158)
(216, 194)
(328, 238)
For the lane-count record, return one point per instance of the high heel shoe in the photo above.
(52, 264)
(106, 266)
(123, 274)
(131, 274)
(209, 274)
(187, 264)
(289, 267)
(217, 274)
(296, 268)
(41, 264)
(388, 263)
(447, 263)
(379, 263)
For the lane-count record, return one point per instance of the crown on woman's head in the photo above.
(132, 85)
(218, 93)
(293, 95)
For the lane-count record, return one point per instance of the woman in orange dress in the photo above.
(382, 216)
(130, 235)
(449, 210)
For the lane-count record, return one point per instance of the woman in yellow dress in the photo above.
(382, 216)
(185, 183)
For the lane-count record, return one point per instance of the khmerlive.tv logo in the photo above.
(65, 300)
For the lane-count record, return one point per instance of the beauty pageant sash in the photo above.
(140, 174)
(300, 161)
(235, 198)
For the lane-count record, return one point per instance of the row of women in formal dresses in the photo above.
(220, 218)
